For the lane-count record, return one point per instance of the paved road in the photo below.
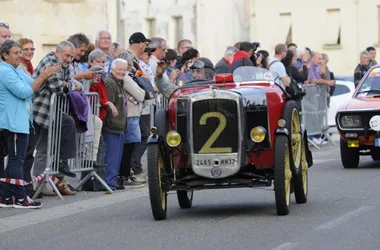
(342, 213)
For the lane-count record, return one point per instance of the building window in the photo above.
(151, 27)
(178, 29)
(286, 28)
(333, 27)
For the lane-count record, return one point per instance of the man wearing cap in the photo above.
(202, 69)
(137, 45)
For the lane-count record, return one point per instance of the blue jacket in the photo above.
(15, 99)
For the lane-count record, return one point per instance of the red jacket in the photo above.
(100, 88)
(238, 55)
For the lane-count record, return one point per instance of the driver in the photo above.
(202, 69)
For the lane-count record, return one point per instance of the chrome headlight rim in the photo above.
(258, 129)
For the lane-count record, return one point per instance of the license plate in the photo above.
(219, 162)
(377, 142)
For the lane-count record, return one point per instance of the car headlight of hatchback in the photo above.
(351, 121)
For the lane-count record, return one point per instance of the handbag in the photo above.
(146, 85)
(295, 89)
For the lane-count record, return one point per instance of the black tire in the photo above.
(185, 198)
(375, 154)
(282, 175)
(349, 156)
(291, 115)
(157, 195)
(300, 177)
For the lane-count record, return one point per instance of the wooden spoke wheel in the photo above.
(157, 193)
(282, 175)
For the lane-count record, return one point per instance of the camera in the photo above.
(256, 46)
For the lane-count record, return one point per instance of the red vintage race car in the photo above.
(358, 122)
(237, 131)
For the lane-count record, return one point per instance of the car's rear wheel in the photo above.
(293, 125)
(282, 175)
(185, 198)
(301, 180)
(349, 156)
(157, 193)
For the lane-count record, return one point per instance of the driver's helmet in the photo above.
(206, 64)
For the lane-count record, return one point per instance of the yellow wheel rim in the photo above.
(305, 167)
(162, 192)
(288, 175)
(296, 138)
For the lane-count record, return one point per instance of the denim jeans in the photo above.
(17, 144)
(114, 151)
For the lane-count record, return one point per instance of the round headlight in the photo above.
(281, 123)
(173, 139)
(258, 134)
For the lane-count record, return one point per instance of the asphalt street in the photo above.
(341, 213)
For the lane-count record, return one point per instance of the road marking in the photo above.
(287, 246)
(344, 218)
(46, 214)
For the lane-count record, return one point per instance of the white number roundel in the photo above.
(374, 123)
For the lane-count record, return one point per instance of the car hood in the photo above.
(372, 102)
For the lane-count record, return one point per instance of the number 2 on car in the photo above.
(207, 149)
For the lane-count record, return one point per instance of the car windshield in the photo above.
(371, 85)
(252, 74)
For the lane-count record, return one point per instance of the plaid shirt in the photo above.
(55, 84)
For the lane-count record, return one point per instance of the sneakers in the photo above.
(6, 202)
(64, 169)
(137, 179)
(19, 203)
(131, 182)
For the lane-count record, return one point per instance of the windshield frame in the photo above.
(250, 74)
(366, 86)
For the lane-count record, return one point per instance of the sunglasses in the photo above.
(5, 25)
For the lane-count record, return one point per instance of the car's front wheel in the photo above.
(349, 156)
(282, 174)
(157, 192)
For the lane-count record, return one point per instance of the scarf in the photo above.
(28, 65)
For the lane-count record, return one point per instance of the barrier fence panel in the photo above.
(314, 111)
(83, 162)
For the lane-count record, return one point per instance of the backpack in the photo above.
(146, 85)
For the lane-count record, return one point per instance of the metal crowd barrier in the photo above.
(83, 161)
(314, 112)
